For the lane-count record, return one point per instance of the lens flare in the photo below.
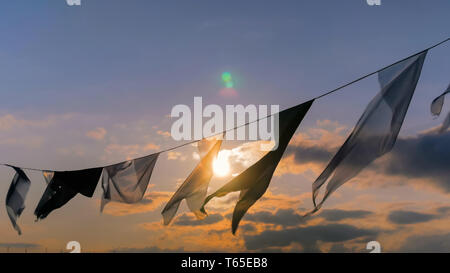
(221, 165)
(226, 77)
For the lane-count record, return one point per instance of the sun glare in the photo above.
(221, 166)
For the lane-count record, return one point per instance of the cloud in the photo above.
(97, 134)
(151, 249)
(403, 217)
(338, 215)
(163, 133)
(187, 220)
(129, 151)
(9, 122)
(307, 154)
(150, 202)
(427, 243)
(283, 217)
(424, 156)
(422, 159)
(307, 237)
(19, 245)
(175, 156)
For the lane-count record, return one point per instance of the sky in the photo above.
(91, 85)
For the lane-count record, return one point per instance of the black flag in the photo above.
(63, 186)
(254, 181)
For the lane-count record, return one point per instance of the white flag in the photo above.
(195, 186)
(127, 181)
(377, 129)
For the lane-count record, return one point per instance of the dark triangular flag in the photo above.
(63, 186)
(254, 181)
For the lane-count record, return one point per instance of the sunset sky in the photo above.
(93, 85)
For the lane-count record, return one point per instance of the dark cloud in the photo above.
(426, 156)
(306, 236)
(341, 248)
(152, 249)
(19, 245)
(427, 243)
(284, 217)
(443, 210)
(304, 154)
(403, 217)
(337, 214)
(247, 228)
(186, 220)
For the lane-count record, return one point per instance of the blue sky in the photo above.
(92, 85)
(144, 57)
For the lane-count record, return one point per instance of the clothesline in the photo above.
(268, 116)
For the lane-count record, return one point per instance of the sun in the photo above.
(221, 165)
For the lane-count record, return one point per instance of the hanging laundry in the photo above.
(15, 198)
(254, 181)
(377, 129)
(63, 186)
(127, 181)
(195, 186)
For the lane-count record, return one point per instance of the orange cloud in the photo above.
(150, 202)
(97, 134)
(129, 151)
(163, 133)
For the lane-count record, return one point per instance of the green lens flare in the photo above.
(226, 77)
(229, 84)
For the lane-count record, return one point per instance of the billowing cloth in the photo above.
(63, 186)
(436, 105)
(377, 129)
(127, 181)
(15, 198)
(254, 181)
(195, 186)
(436, 108)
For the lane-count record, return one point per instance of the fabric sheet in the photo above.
(63, 186)
(377, 129)
(195, 186)
(436, 105)
(127, 181)
(254, 181)
(15, 198)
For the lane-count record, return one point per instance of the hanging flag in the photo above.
(195, 186)
(15, 198)
(254, 181)
(436, 108)
(436, 105)
(377, 129)
(127, 182)
(63, 186)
